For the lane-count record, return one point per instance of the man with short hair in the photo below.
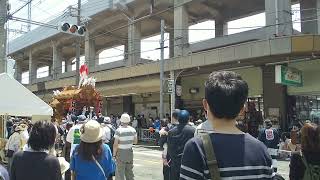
(177, 138)
(164, 144)
(232, 153)
(124, 139)
(271, 138)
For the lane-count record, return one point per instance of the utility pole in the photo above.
(161, 69)
(3, 36)
(29, 16)
(78, 46)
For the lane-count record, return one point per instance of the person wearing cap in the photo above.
(71, 141)
(177, 138)
(124, 139)
(109, 132)
(271, 138)
(35, 162)
(91, 159)
(13, 145)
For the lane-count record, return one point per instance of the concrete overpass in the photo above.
(257, 50)
(110, 27)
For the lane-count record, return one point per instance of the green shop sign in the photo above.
(288, 76)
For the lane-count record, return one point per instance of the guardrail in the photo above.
(146, 136)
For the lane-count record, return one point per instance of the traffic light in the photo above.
(73, 29)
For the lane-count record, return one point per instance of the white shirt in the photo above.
(203, 127)
(126, 136)
(70, 137)
(106, 135)
(14, 142)
(134, 123)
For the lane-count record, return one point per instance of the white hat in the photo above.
(91, 132)
(107, 120)
(125, 118)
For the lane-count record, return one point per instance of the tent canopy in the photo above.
(17, 100)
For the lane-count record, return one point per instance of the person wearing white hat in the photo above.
(13, 145)
(91, 159)
(124, 139)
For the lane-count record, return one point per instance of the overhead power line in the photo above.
(17, 10)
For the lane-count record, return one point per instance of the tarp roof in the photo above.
(17, 100)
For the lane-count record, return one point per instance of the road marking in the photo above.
(153, 162)
(148, 154)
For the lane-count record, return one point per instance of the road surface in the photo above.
(148, 164)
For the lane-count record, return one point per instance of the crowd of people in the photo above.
(220, 149)
(98, 148)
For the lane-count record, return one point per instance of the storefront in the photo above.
(193, 90)
(304, 101)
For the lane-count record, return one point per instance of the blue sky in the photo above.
(46, 10)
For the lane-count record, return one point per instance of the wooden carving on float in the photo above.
(73, 99)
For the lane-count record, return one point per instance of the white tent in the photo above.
(17, 100)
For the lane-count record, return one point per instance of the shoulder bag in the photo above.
(100, 167)
(211, 157)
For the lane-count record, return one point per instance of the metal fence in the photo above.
(146, 136)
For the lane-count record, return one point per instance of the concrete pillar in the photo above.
(32, 68)
(126, 52)
(68, 65)
(18, 71)
(90, 53)
(221, 28)
(51, 70)
(128, 105)
(171, 44)
(56, 67)
(274, 95)
(134, 44)
(278, 18)
(310, 12)
(181, 32)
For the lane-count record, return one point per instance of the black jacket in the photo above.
(177, 138)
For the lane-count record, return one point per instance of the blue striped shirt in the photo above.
(239, 156)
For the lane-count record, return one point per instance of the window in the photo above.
(201, 31)
(82, 61)
(43, 72)
(111, 55)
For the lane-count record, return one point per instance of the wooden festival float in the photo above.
(73, 99)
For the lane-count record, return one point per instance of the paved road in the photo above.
(148, 164)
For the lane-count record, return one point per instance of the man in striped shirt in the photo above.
(124, 138)
(238, 154)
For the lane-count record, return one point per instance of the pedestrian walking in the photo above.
(91, 159)
(271, 138)
(73, 136)
(227, 152)
(164, 144)
(13, 145)
(306, 165)
(73, 139)
(177, 138)
(124, 139)
(35, 162)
